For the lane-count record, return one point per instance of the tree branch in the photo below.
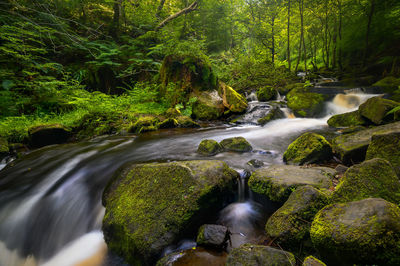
(186, 10)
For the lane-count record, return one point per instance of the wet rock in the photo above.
(304, 103)
(386, 146)
(144, 124)
(390, 83)
(373, 178)
(290, 224)
(359, 232)
(237, 144)
(278, 181)
(341, 169)
(43, 135)
(256, 255)
(232, 100)
(266, 93)
(186, 122)
(308, 148)
(274, 113)
(209, 105)
(350, 119)
(209, 147)
(352, 147)
(168, 123)
(312, 261)
(375, 109)
(4, 150)
(255, 163)
(287, 88)
(212, 235)
(150, 206)
(195, 256)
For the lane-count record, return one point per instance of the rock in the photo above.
(232, 100)
(4, 146)
(150, 206)
(209, 147)
(359, 232)
(168, 123)
(373, 178)
(304, 103)
(144, 124)
(277, 181)
(255, 163)
(289, 87)
(194, 256)
(290, 224)
(308, 148)
(186, 122)
(350, 119)
(341, 169)
(43, 135)
(208, 106)
(212, 235)
(388, 83)
(266, 93)
(255, 255)
(353, 147)
(386, 146)
(312, 261)
(275, 113)
(375, 109)
(238, 144)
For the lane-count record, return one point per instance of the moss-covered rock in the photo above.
(168, 123)
(209, 105)
(144, 124)
(287, 88)
(375, 109)
(212, 235)
(150, 206)
(278, 181)
(305, 103)
(388, 83)
(290, 224)
(359, 232)
(3, 146)
(266, 93)
(232, 100)
(274, 113)
(186, 122)
(372, 178)
(43, 135)
(194, 256)
(209, 147)
(351, 148)
(349, 119)
(386, 146)
(237, 144)
(308, 148)
(312, 261)
(256, 255)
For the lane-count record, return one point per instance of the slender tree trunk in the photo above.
(288, 36)
(370, 15)
(301, 33)
(115, 27)
(326, 34)
(334, 42)
(340, 35)
(273, 40)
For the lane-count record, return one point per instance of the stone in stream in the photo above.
(232, 100)
(266, 93)
(290, 224)
(274, 113)
(312, 261)
(308, 148)
(213, 235)
(358, 232)
(278, 181)
(305, 103)
(256, 255)
(209, 147)
(372, 178)
(350, 119)
(150, 206)
(194, 256)
(43, 135)
(237, 144)
(255, 163)
(375, 109)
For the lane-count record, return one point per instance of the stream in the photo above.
(51, 212)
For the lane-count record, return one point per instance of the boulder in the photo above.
(266, 93)
(390, 83)
(256, 255)
(213, 235)
(290, 224)
(274, 113)
(144, 124)
(43, 135)
(287, 88)
(359, 232)
(4, 146)
(350, 119)
(308, 148)
(194, 256)
(232, 100)
(373, 178)
(209, 105)
(186, 122)
(209, 147)
(151, 206)
(353, 147)
(312, 261)
(305, 103)
(237, 144)
(375, 109)
(278, 181)
(386, 146)
(255, 163)
(168, 123)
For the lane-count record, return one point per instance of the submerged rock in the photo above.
(237, 144)
(308, 148)
(312, 261)
(150, 206)
(290, 224)
(144, 124)
(350, 119)
(256, 255)
(209, 147)
(213, 235)
(375, 109)
(305, 103)
(278, 181)
(266, 93)
(232, 100)
(359, 232)
(43, 135)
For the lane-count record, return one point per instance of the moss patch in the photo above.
(232, 100)
(305, 103)
(209, 147)
(237, 144)
(375, 109)
(347, 120)
(266, 93)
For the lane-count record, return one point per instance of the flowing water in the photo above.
(51, 212)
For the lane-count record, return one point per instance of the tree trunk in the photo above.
(326, 35)
(114, 29)
(273, 40)
(288, 36)
(301, 33)
(340, 35)
(334, 40)
(370, 15)
(190, 8)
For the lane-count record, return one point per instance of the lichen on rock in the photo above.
(209, 147)
(236, 144)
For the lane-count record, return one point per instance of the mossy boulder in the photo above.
(386, 146)
(209, 105)
(266, 93)
(373, 178)
(351, 148)
(209, 147)
(375, 109)
(194, 256)
(151, 206)
(43, 135)
(237, 144)
(186, 122)
(232, 100)
(278, 181)
(212, 235)
(256, 255)
(3, 146)
(305, 103)
(287, 88)
(144, 124)
(290, 224)
(359, 232)
(274, 113)
(168, 123)
(349, 119)
(312, 261)
(308, 148)
(389, 83)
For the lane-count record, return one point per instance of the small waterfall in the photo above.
(252, 97)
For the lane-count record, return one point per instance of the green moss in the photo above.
(237, 144)
(168, 123)
(232, 100)
(347, 120)
(304, 103)
(186, 122)
(376, 110)
(266, 93)
(3, 146)
(312, 261)
(209, 147)
(145, 123)
(388, 82)
(275, 113)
